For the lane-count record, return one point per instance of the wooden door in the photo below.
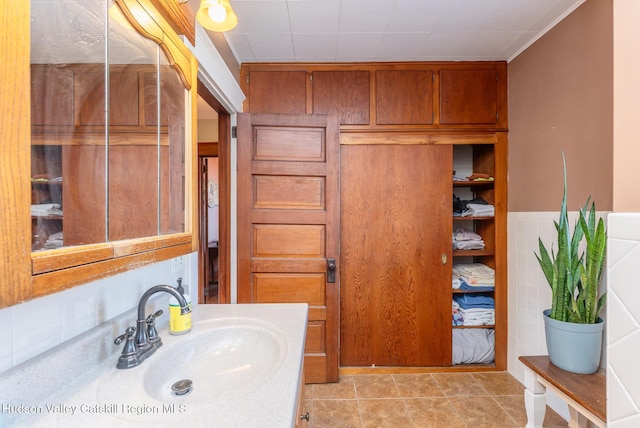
(288, 224)
(395, 297)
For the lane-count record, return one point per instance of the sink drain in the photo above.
(182, 387)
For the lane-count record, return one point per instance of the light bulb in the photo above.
(217, 12)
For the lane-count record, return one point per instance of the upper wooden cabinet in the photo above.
(404, 97)
(343, 92)
(384, 96)
(277, 91)
(469, 96)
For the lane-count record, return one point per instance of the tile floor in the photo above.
(437, 400)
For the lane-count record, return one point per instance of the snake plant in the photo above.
(574, 278)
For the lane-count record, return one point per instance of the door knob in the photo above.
(331, 270)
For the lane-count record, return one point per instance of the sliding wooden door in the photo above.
(395, 298)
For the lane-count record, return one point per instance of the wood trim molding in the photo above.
(416, 138)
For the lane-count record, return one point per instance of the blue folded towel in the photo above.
(469, 300)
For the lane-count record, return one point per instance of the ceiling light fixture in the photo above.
(217, 15)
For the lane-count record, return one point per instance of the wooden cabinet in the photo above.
(404, 97)
(469, 96)
(302, 414)
(396, 196)
(277, 91)
(80, 152)
(384, 97)
(478, 179)
(60, 99)
(345, 93)
(51, 84)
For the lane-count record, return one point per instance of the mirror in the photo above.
(108, 129)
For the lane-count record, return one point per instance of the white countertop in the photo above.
(80, 397)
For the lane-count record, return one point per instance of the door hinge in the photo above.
(234, 132)
(497, 116)
(311, 78)
(247, 78)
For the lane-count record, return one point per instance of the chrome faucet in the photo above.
(146, 340)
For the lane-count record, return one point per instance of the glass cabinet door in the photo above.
(108, 129)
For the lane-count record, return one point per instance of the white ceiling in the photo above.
(389, 30)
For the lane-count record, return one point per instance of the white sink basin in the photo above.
(223, 358)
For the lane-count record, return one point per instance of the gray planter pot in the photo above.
(574, 347)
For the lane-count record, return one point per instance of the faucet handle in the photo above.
(152, 334)
(126, 335)
(129, 357)
(151, 318)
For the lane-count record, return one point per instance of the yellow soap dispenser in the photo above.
(179, 323)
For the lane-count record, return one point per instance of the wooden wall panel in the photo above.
(278, 91)
(287, 192)
(289, 241)
(316, 332)
(290, 288)
(284, 143)
(55, 85)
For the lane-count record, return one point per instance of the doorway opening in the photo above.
(214, 142)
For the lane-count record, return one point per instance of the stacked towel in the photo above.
(43, 210)
(478, 316)
(479, 210)
(472, 301)
(473, 310)
(473, 276)
(465, 239)
(54, 241)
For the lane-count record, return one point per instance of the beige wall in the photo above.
(207, 131)
(561, 97)
(626, 148)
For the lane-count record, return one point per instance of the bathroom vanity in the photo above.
(240, 366)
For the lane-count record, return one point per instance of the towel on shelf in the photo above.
(473, 276)
(43, 210)
(479, 210)
(469, 301)
(465, 239)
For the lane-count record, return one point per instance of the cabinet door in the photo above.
(343, 92)
(51, 95)
(123, 96)
(395, 255)
(404, 97)
(468, 96)
(84, 199)
(278, 92)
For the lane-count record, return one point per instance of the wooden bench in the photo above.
(585, 394)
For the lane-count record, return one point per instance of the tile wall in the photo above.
(529, 293)
(40, 324)
(623, 329)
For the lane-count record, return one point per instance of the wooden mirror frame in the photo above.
(27, 275)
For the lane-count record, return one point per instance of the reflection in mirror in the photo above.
(67, 96)
(173, 102)
(99, 177)
(133, 131)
